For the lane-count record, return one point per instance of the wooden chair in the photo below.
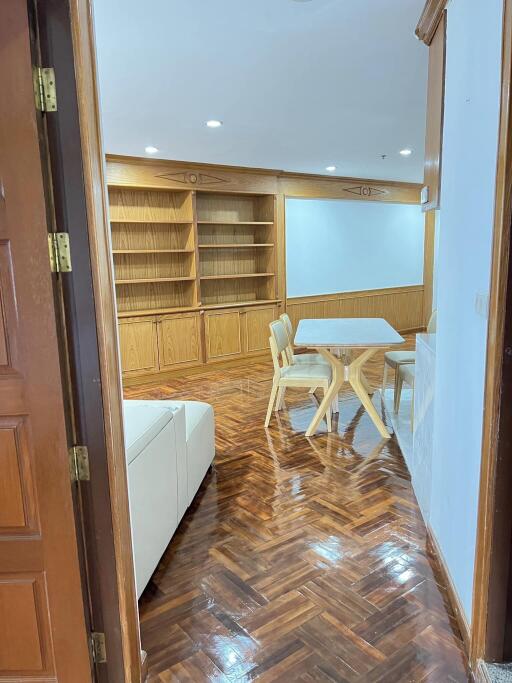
(298, 357)
(306, 375)
(405, 375)
(395, 359)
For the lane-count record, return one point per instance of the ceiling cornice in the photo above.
(429, 20)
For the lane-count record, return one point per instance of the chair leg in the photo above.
(280, 399)
(328, 415)
(384, 377)
(336, 404)
(271, 401)
(398, 391)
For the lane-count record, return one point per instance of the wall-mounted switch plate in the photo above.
(482, 305)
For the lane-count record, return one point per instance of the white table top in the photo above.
(346, 332)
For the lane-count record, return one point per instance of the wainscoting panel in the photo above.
(402, 307)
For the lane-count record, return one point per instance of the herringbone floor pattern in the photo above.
(300, 560)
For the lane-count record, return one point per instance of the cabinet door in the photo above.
(223, 334)
(179, 340)
(257, 321)
(138, 342)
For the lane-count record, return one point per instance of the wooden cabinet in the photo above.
(152, 344)
(179, 340)
(223, 334)
(139, 346)
(257, 321)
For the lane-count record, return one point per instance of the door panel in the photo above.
(223, 334)
(42, 625)
(178, 340)
(257, 322)
(138, 343)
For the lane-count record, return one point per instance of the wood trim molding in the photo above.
(495, 340)
(453, 596)
(353, 295)
(167, 174)
(94, 180)
(429, 19)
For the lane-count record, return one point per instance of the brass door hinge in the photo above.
(79, 463)
(45, 91)
(60, 252)
(99, 650)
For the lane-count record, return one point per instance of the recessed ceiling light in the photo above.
(151, 150)
(406, 152)
(214, 123)
(330, 168)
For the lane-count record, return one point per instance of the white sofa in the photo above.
(169, 447)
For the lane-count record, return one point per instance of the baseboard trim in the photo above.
(481, 675)
(453, 596)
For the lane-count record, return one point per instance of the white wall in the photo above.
(463, 272)
(345, 246)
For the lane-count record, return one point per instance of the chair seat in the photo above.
(307, 371)
(395, 358)
(308, 358)
(407, 373)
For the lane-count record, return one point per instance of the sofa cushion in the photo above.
(141, 424)
(200, 426)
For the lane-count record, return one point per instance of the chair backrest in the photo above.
(285, 318)
(432, 323)
(278, 343)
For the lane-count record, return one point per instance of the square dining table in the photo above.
(336, 339)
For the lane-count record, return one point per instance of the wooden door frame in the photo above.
(106, 323)
(495, 518)
(120, 614)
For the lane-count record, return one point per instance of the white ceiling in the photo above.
(298, 85)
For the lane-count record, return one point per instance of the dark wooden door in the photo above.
(42, 626)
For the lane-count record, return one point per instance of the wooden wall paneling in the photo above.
(435, 115)
(223, 334)
(179, 340)
(152, 173)
(318, 187)
(138, 344)
(401, 306)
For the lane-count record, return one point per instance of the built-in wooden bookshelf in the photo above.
(177, 249)
(154, 249)
(236, 238)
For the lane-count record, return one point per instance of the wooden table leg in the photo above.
(358, 384)
(331, 393)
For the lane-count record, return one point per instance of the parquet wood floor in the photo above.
(300, 559)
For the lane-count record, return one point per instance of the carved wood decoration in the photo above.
(191, 178)
(365, 191)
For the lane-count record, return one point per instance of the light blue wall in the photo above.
(343, 246)
(471, 115)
